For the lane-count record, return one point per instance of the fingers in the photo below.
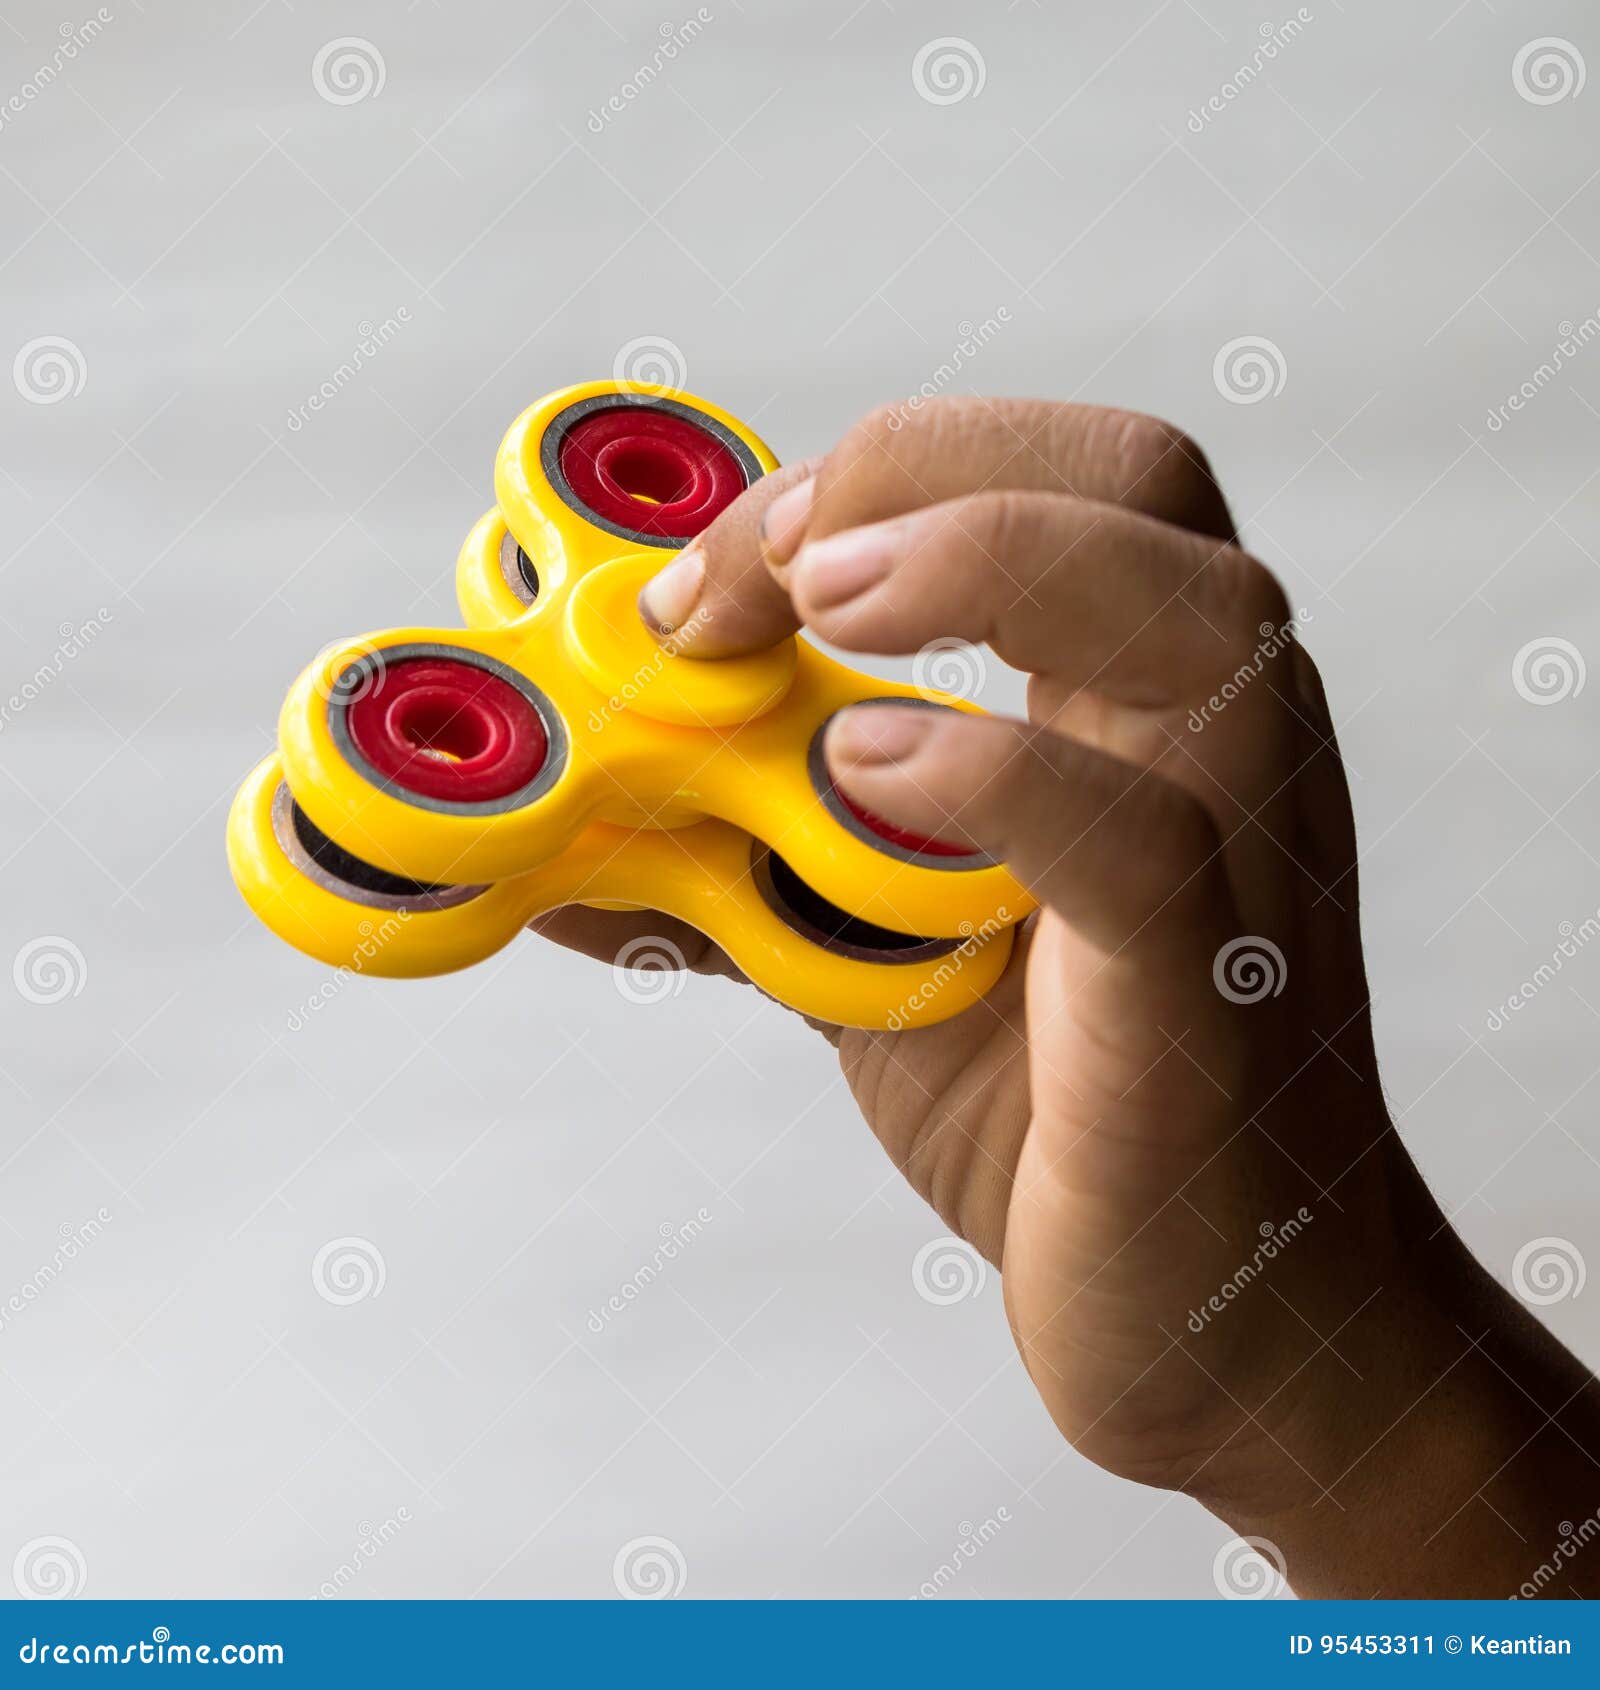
(717, 597)
(1088, 593)
(898, 459)
(606, 935)
(1130, 861)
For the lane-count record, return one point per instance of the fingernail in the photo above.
(832, 571)
(784, 521)
(668, 600)
(877, 733)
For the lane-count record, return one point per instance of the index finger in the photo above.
(717, 597)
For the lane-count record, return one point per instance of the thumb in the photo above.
(717, 597)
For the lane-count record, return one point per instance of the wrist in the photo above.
(1440, 1449)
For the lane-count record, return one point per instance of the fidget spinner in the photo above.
(434, 789)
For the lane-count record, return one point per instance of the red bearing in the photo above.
(901, 837)
(649, 471)
(446, 729)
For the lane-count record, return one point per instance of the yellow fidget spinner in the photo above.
(434, 789)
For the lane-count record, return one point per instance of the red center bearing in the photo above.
(902, 837)
(447, 729)
(649, 471)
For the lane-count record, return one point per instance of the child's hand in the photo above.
(1166, 1124)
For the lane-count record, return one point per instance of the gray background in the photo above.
(784, 207)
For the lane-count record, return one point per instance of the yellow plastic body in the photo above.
(672, 770)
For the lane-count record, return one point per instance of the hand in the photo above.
(1165, 1124)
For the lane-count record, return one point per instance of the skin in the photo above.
(1112, 1129)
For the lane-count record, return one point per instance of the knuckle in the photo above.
(1247, 596)
(1163, 468)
